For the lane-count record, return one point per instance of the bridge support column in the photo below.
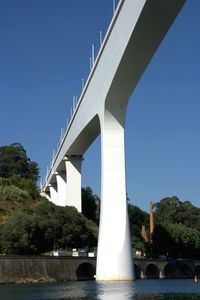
(61, 188)
(114, 256)
(161, 273)
(73, 170)
(53, 193)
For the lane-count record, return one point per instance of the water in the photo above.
(86, 290)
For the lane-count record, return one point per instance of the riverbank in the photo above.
(34, 278)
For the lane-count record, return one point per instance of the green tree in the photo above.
(172, 210)
(89, 204)
(177, 229)
(189, 215)
(27, 185)
(14, 161)
(176, 240)
(166, 210)
(137, 218)
(21, 235)
(39, 229)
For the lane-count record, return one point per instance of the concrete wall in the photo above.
(20, 268)
(15, 269)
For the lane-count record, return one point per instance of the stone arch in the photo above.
(197, 270)
(137, 270)
(171, 270)
(85, 271)
(186, 271)
(152, 271)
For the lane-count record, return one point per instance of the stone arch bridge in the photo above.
(166, 268)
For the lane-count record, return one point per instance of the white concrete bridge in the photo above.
(135, 33)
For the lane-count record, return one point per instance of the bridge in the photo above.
(135, 33)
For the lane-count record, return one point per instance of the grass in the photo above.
(9, 192)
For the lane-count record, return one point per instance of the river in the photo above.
(181, 289)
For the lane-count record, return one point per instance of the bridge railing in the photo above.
(77, 101)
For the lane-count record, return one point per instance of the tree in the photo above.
(172, 210)
(137, 218)
(189, 215)
(177, 229)
(21, 234)
(37, 230)
(14, 161)
(89, 204)
(166, 210)
(176, 240)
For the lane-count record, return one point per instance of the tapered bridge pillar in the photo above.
(114, 256)
(53, 193)
(61, 188)
(73, 170)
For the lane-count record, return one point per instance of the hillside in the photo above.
(13, 198)
(34, 225)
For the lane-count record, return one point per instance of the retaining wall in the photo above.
(39, 268)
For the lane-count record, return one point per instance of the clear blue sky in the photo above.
(45, 47)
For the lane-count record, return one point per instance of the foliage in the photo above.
(176, 240)
(20, 235)
(14, 161)
(138, 218)
(12, 192)
(172, 210)
(17, 188)
(177, 230)
(90, 203)
(166, 210)
(27, 185)
(188, 215)
(33, 227)
(33, 231)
